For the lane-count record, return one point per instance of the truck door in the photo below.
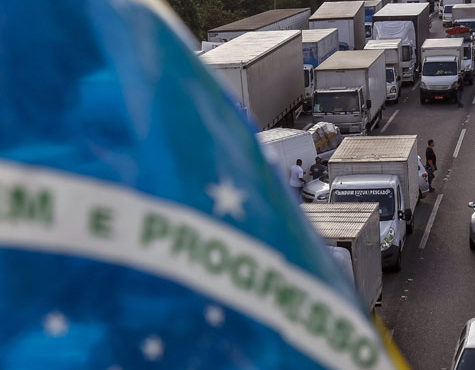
(401, 224)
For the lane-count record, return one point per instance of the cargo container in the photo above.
(264, 73)
(347, 16)
(271, 20)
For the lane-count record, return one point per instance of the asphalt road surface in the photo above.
(426, 304)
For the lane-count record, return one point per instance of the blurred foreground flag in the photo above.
(140, 226)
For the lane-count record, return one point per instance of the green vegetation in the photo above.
(203, 15)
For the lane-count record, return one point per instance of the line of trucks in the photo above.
(371, 195)
(275, 74)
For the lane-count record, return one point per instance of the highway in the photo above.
(426, 304)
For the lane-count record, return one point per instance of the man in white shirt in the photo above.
(296, 180)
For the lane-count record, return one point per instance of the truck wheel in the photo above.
(423, 100)
(410, 226)
(472, 245)
(470, 82)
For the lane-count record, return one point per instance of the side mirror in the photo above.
(471, 204)
(368, 104)
(404, 215)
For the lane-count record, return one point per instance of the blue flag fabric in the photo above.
(140, 224)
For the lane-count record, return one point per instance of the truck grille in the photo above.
(439, 87)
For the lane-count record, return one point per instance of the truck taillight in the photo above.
(424, 175)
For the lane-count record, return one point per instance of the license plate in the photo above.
(439, 97)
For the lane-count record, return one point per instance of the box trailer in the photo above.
(271, 20)
(351, 90)
(264, 72)
(417, 13)
(353, 227)
(347, 16)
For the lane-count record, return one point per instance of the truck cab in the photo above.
(468, 62)
(393, 84)
(439, 77)
(310, 85)
(394, 213)
(409, 62)
(345, 107)
(447, 15)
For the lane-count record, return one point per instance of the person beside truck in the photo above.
(431, 163)
(317, 170)
(459, 88)
(296, 180)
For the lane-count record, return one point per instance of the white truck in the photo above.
(379, 169)
(283, 146)
(463, 16)
(410, 23)
(264, 72)
(351, 90)
(271, 20)
(447, 11)
(317, 45)
(370, 7)
(353, 228)
(442, 63)
(347, 16)
(393, 55)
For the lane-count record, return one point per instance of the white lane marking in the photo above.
(459, 143)
(423, 243)
(416, 85)
(390, 120)
(473, 100)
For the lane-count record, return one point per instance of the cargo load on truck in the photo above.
(351, 90)
(347, 16)
(264, 72)
(353, 227)
(271, 20)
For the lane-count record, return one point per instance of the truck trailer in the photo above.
(347, 16)
(263, 70)
(271, 20)
(397, 18)
(353, 228)
(317, 45)
(351, 90)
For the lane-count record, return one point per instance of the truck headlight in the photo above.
(393, 90)
(423, 85)
(388, 239)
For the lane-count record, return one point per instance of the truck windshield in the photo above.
(306, 76)
(333, 102)
(439, 69)
(406, 53)
(389, 75)
(448, 9)
(385, 198)
(467, 361)
(467, 52)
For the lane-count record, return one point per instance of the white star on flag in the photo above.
(55, 324)
(227, 199)
(214, 315)
(152, 348)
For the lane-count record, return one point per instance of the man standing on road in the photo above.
(318, 169)
(296, 180)
(431, 163)
(459, 89)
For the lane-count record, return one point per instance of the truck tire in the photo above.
(423, 100)
(470, 82)
(410, 226)
(472, 245)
